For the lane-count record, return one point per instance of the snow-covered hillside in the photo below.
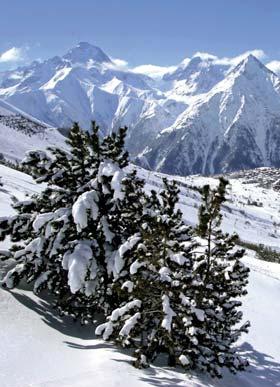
(251, 210)
(206, 116)
(70, 356)
(20, 132)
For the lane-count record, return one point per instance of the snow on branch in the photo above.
(85, 202)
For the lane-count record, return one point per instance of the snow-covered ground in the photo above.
(37, 349)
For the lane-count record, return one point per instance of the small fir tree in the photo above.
(179, 296)
(220, 281)
(66, 236)
(154, 282)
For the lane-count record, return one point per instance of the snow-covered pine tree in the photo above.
(154, 282)
(220, 280)
(44, 224)
(66, 236)
(131, 207)
(180, 296)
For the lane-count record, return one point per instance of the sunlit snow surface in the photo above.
(37, 349)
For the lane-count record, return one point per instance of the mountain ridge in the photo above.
(218, 107)
(234, 126)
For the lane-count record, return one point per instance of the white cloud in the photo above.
(185, 61)
(14, 54)
(205, 56)
(158, 71)
(274, 66)
(119, 64)
(153, 71)
(259, 54)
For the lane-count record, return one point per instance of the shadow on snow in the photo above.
(262, 372)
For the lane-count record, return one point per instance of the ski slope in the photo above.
(38, 349)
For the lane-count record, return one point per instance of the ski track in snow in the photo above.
(38, 349)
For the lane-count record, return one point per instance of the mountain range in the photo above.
(204, 116)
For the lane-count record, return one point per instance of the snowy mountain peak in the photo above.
(191, 68)
(196, 76)
(234, 126)
(193, 65)
(85, 52)
(251, 65)
(184, 70)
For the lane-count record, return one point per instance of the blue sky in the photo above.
(160, 32)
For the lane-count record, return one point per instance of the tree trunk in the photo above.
(171, 359)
